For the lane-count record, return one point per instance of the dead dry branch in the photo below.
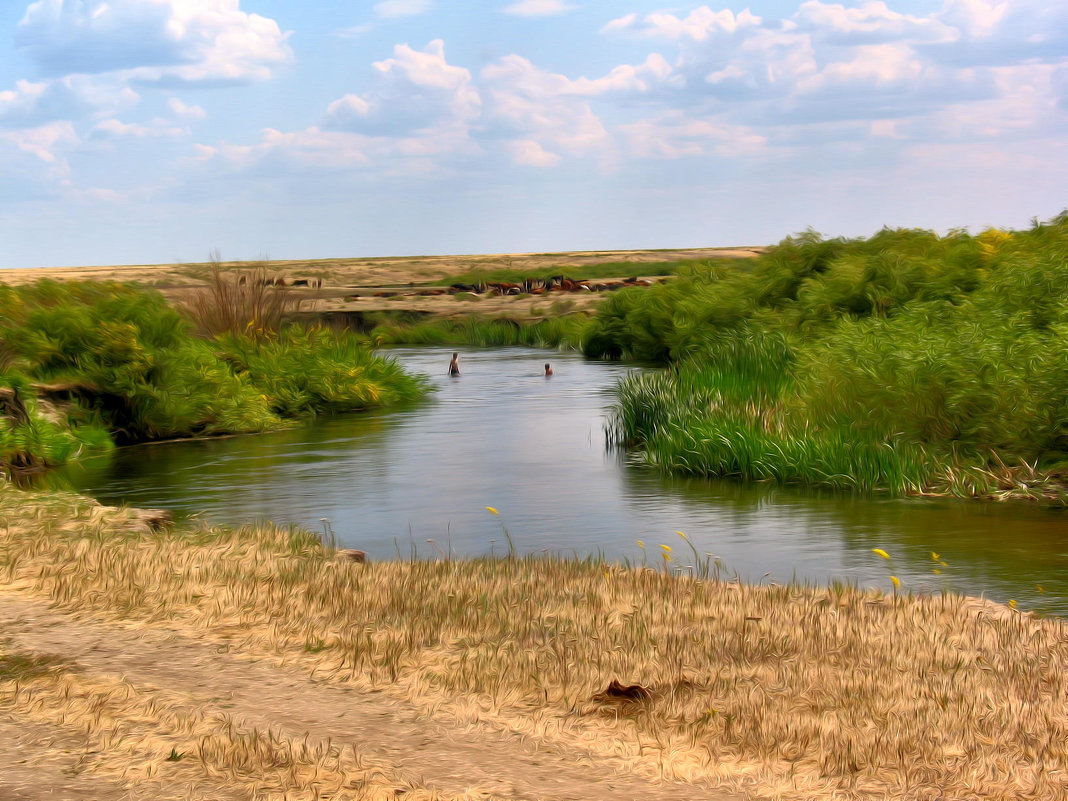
(251, 301)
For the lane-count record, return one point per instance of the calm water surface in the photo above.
(503, 435)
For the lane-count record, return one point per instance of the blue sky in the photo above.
(144, 131)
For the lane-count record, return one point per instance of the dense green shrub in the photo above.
(564, 331)
(881, 363)
(123, 366)
(308, 371)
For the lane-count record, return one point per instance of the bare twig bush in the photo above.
(248, 301)
(783, 692)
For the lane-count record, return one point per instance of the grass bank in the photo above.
(85, 366)
(561, 331)
(906, 363)
(783, 692)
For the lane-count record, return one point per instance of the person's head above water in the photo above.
(548, 369)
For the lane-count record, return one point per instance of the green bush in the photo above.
(877, 364)
(307, 372)
(564, 331)
(125, 367)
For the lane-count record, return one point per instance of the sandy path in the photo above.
(40, 762)
(387, 731)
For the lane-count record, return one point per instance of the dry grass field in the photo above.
(256, 663)
(356, 284)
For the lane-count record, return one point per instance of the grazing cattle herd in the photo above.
(540, 286)
(529, 286)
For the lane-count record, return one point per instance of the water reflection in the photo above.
(1003, 551)
(504, 435)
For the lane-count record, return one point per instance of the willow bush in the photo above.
(119, 365)
(885, 363)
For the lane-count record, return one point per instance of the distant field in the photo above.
(386, 284)
(383, 271)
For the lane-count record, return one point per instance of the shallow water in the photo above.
(504, 435)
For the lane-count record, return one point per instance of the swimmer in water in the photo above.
(454, 365)
(548, 371)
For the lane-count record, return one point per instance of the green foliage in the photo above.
(564, 331)
(120, 365)
(879, 364)
(306, 372)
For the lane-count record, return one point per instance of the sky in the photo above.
(154, 131)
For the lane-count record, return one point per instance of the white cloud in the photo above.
(531, 154)
(544, 107)
(30, 103)
(624, 78)
(354, 31)
(414, 91)
(152, 41)
(311, 147)
(22, 101)
(623, 23)
(849, 72)
(112, 128)
(674, 135)
(871, 66)
(392, 9)
(999, 33)
(538, 8)
(699, 25)
(871, 22)
(186, 111)
(44, 142)
(840, 82)
(420, 108)
(978, 18)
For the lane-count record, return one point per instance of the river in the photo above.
(503, 435)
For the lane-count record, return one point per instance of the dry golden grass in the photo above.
(159, 739)
(784, 692)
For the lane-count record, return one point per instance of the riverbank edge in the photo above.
(633, 652)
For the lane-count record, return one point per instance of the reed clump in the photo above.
(781, 691)
(907, 363)
(248, 302)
